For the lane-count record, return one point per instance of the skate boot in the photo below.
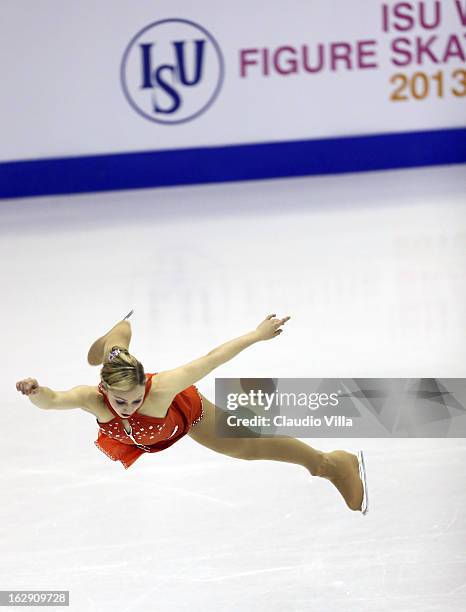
(347, 473)
(94, 356)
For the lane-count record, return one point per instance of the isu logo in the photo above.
(172, 71)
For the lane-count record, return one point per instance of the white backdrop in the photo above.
(65, 77)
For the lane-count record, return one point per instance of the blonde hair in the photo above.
(123, 372)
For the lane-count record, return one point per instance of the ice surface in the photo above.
(371, 268)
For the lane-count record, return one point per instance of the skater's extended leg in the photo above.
(340, 467)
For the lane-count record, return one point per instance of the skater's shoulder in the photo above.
(92, 400)
(85, 397)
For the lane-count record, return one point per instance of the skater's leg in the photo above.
(119, 335)
(340, 467)
(278, 449)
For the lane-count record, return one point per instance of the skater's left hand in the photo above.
(269, 328)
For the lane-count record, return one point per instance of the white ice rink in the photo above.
(371, 268)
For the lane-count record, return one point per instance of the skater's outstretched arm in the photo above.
(174, 381)
(48, 399)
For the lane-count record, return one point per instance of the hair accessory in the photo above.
(114, 354)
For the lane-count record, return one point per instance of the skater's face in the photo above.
(125, 403)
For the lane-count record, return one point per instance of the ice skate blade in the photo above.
(362, 475)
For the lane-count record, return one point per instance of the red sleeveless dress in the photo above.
(148, 434)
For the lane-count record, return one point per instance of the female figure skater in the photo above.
(138, 412)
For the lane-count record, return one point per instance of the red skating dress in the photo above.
(148, 434)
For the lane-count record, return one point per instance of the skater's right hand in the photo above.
(28, 386)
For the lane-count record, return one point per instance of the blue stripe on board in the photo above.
(231, 163)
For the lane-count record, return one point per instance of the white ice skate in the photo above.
(362, 476)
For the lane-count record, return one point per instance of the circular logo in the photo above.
(172, 71)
